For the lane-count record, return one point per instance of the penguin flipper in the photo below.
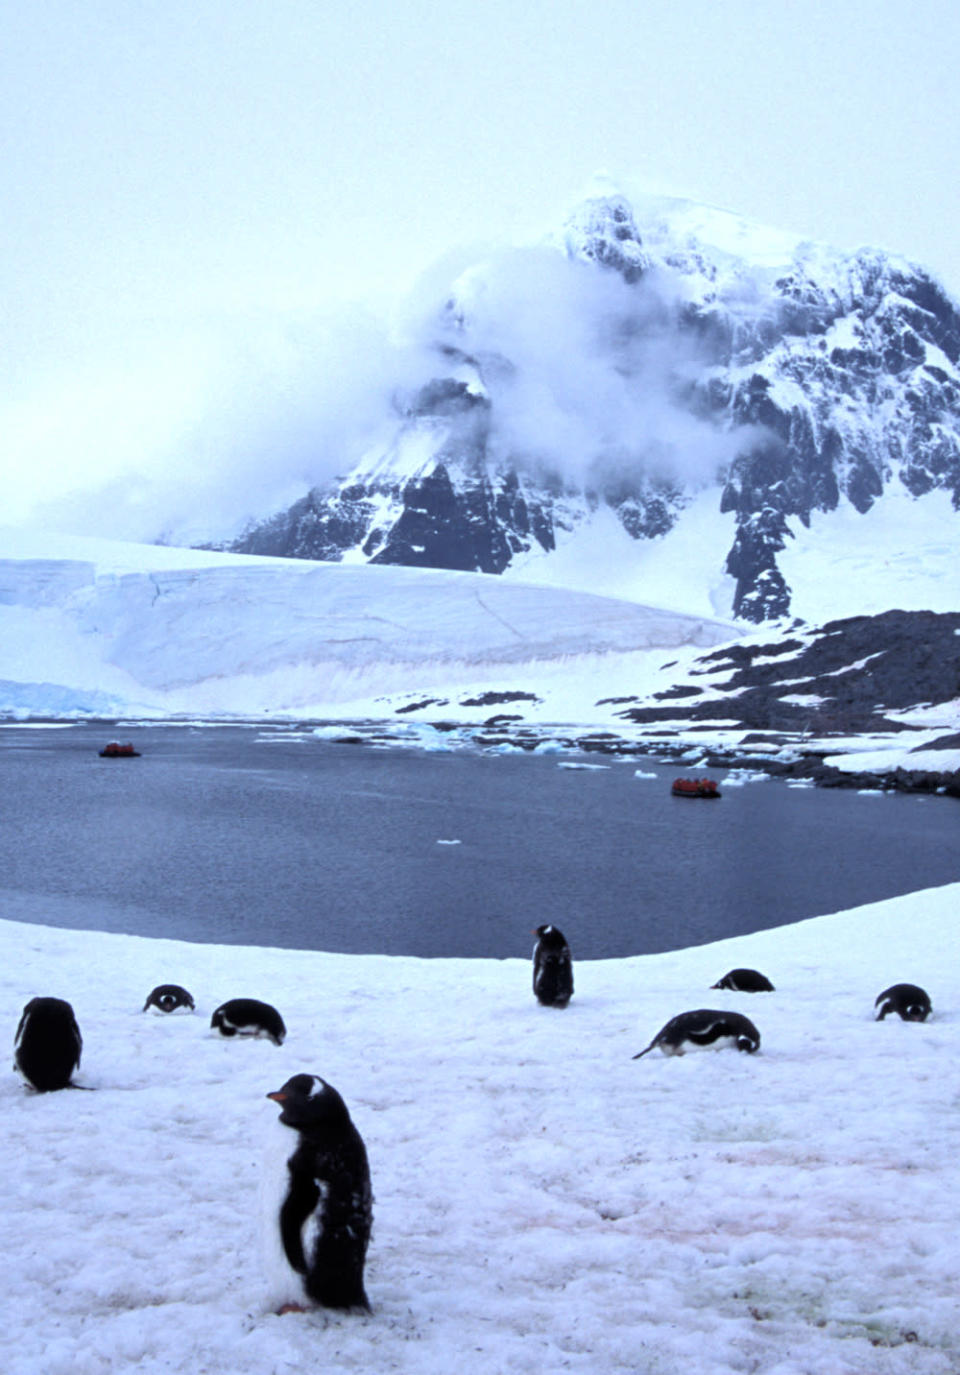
(299, 1204)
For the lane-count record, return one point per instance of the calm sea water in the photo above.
(237, 836)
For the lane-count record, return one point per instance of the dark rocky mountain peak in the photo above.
(649, 353)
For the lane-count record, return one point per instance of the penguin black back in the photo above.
(48, 1044)
(552, 967)
(326, 1215)
(704, 1027)
(168, 997)
(745, 981)
(249, 1017)
(910, 1002)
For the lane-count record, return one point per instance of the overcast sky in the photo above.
(192, 189)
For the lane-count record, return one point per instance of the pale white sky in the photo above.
(191, 187)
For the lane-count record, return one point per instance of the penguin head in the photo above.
(550, 937)
(307, 1100)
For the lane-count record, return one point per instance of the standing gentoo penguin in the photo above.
(168, 997)
(552, 967)
(48, 1043)
(911, 1003)
(316, 1201)
(745, 981)
(705, 1027)
(248, 1017)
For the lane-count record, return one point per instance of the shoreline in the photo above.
(781, 755)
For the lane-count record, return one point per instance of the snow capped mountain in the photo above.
(651, 362)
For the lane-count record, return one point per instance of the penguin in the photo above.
(316, 1201)
(703, 1028)
(168, 997)
(248, 1017)
(552, 967)
(745, 981)
(48, 1043)
(911, 1003)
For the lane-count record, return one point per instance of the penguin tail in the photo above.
(641, 1053)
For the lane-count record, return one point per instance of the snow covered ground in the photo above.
(901, 554)
(543, 1202)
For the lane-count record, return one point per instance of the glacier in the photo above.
(149, 630)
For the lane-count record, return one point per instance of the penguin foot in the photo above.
(291, 1308)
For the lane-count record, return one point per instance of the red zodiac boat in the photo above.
(118, 751)
(695, 787)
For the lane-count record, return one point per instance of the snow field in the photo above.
(542, 1202)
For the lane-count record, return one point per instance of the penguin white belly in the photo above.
(283, 1283)
(682, 1047)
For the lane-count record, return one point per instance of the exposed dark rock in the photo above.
(683, 690)
(493, 699)
(945, 742)
(851, 672)
(421, 705)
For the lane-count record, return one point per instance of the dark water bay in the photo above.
(240, 836)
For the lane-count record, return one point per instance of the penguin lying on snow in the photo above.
(911, 1003)
(248, 1017)
(316, 1200)
(552, 968)
(705, 1027)
(745, 981)
(48, 1043)
(168, 997)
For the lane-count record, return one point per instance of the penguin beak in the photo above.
(278, 1096)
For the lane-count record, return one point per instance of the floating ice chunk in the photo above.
(738, 777)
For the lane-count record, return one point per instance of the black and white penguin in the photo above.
(316, 1201)
(745, 981)
(169, 997)
(705, 1028)
(910, 1003)
(48, 1043)
(248, 1017)
(552, 967)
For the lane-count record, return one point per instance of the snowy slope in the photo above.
(902, 554)
(143, 630)
(542, 1201)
